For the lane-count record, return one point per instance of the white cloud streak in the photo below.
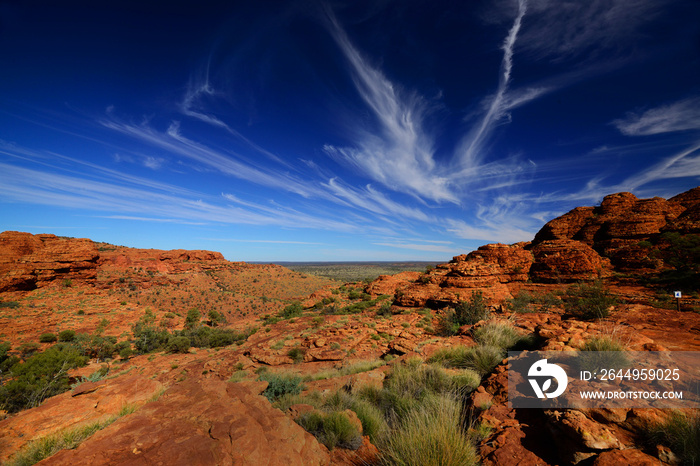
(39, 187)
(683, 115)
(472, 147)
(400, 155)
(565, 29)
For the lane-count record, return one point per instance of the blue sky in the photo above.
(364, 130)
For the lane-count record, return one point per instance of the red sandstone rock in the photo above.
(567, 261)
(629, 456)
(390, 284)
(84, 405)
(29, 261)
(201, 424)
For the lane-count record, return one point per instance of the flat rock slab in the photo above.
(194, 423)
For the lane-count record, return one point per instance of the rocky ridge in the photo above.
(583, 244)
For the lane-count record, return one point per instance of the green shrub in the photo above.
(148, 339)
(524, 302)
(431, 435)
(680, 432)
(281, 384)
(28, 348)
(297, 354)
(293, 310)
(384, 310)
(331, 429)
(192, 319)
(47, 337)
(585, 301)
(9, 304)
(66, 335)
(39, 377)
(6, 360)
(216, 318)
(465, 313)
(178, 345)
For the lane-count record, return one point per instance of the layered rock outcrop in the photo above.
(31, 261)
(583, 244)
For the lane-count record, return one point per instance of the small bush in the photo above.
(281, 384)
(293, 310)
(39, 377)
(178, 345)
(465, 313)
(216, 318)
(297, 354)
(588, 301)
(28, 348)
(47, 337)
(66, 335)
(192, 319)
(9, 304)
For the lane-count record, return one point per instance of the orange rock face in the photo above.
(30, 261)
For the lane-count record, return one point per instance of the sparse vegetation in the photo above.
(680, 432)
(281, 384)
(47, 337)
(465, 313)
(42, 375)
(525, 302)
(331, 429)
(604, 352)
(430, 435)
(588, 301)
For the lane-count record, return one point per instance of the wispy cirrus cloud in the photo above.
(562, 30)
(141, 202)
(229, 163)
(400, 155)
(682, 115)
(471, 152)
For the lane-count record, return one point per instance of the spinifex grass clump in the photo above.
(681, 432)
(431, 434)
(331, 429)
(419, 404)
(493, 339)
(602, 352)
(525, 302)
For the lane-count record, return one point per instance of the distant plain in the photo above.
(356, 271)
